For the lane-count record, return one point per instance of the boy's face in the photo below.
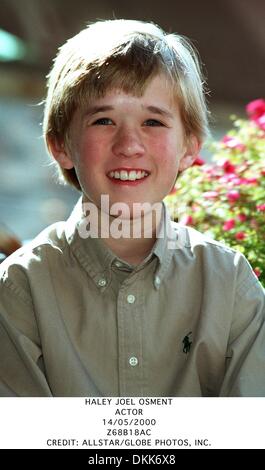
(128, 147)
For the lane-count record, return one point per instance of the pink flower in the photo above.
(233, 195)
(240, 235)
(228, 225)
(232, 178)
(228, 167)
(186, 220)
(210, 194)
(211, 172)
(257, 271)
(261, 207)
(251, 181)
(260, 121)
(195, 208)
(239, 181)
(256, 108)
(233, 143)
(198, 161)
(242, 217)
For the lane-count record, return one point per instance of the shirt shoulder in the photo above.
(194, 239)
(15, 270)
(215, 256)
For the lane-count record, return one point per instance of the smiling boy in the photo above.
(131, 149)
(118, 300)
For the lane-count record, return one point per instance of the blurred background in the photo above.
(229, 34)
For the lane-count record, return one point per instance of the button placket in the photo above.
(130, 336)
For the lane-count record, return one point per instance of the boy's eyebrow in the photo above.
(160, 111)
(97, 109)
(101, 109)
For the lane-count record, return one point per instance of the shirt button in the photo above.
(102, 282)
(131, 299)
(157, 281)
(133, 361)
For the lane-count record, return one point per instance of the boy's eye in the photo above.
(103, 122)
(153, 122)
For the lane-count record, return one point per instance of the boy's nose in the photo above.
(128, 143)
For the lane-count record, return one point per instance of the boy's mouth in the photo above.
(134, 175)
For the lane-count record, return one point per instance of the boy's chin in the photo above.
(135, 211)
(127, 216)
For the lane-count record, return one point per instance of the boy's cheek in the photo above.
(169, 163)
(90, 150)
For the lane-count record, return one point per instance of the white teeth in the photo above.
(123, 175)
(132, 175)
(128, 175)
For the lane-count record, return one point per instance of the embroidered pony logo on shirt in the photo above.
(187, 343)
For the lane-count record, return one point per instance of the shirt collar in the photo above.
(97, 259)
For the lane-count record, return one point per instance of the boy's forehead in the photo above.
(158, 94)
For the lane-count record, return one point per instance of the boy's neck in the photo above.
(143, 234)
(131, 250)
(131, 240)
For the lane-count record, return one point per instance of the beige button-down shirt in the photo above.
(77, 321)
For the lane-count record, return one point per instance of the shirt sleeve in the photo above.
(245, 360)
(21, 365)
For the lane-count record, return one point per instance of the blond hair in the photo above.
(123, 54)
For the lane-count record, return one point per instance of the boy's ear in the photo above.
(60, 153)
(191, 153)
